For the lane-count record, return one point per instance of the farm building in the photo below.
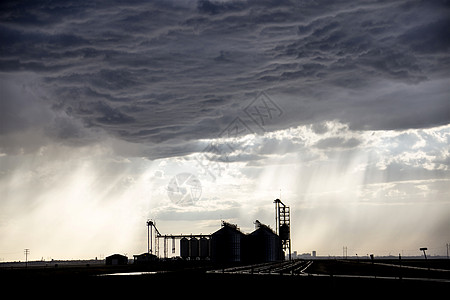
(116, 259)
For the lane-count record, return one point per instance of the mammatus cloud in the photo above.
(341, 105)
(165, 72)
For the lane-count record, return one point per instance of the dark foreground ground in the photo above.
(180, 278)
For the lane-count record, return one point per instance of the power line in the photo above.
(344, 252)
(26, 252)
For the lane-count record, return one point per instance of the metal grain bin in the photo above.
(204, 248)
(184, 248)
(193, 248)
(226, 244)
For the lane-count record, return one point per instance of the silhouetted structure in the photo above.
(226, 243)
(144, 258)
(193, 248)
(262, 245)
(283, 225)
(229, 244)
(204, 248)
(116, 259)
(184, 248)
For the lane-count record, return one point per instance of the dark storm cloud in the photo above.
(173, 72)
(27, 122)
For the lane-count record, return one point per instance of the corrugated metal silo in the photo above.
(226, 244)
(204, 247)
(193, 248)
(184, 248)
(263, 245)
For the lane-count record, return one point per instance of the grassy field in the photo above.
(176, 278)
(431, 269)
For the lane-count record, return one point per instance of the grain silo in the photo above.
(263, 245)
(184, 248)
(226, 243)
(193, 248)
(204, 248)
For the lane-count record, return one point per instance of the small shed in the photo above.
(144, 258)
(116, 259)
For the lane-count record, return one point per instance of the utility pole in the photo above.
(424, 254)
(26, 252)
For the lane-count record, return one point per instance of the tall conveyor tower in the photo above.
(283, 225)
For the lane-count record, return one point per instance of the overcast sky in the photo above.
(341, 108)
